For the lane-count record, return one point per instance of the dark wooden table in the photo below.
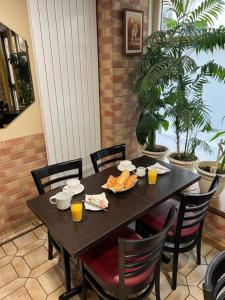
(124, 208)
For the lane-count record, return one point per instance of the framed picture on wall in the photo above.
(133, 31)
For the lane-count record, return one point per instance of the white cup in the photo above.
(61, 200)
(73, 185)
(125, 163)
(140, 171)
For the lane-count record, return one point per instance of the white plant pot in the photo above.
(157, 155)
(183, 164)
(207, 178)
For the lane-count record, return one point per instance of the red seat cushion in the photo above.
(103, 260)
(157, 217)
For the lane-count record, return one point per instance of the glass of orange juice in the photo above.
(152, 176)
(77, 211)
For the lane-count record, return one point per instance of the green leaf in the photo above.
(165, 125)
(217, 135)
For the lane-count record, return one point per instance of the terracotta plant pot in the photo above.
(181, 163)
(158, 155)
(207, 178)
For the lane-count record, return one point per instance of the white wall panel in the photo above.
(65, 43)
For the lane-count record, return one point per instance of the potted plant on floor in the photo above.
(169, 66)
(209, 169)
(150, 100)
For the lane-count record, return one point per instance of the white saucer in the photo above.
(130, 168)
(80, 190)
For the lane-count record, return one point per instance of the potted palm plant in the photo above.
(169, 67)
(209, 169)
(150, 100)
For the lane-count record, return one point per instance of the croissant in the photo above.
(130, 181)
(111, 181)
(118, 187)
(123, 177)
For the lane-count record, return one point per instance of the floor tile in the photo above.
(20, 294)
(205, 249)
(2, 252)
(196, 292)
(11, 287)
(196, 276)
(25, 239)
(9, 248)
(151, 296)
(190, 298)
(43, 268)
(5, 260)
(26, 273)
(165, 288)
(185, 265)
(40, 233)
(211, 255)
(36, 257)
(193, 255)
(52, 279)
(35, 290)
(200, 285)
(7, 274)
(30, 247)
(55, 295)
(20, 266)
(180, 293)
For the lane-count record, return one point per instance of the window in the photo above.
(214, 93)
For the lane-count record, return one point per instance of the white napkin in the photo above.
(99, 200)
(159, 168)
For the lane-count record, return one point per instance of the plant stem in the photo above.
(151, 140)
(186, 142)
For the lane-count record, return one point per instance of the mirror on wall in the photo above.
(16, 88)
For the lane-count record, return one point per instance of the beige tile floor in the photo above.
(26, 273)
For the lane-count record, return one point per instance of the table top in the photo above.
(123, 208)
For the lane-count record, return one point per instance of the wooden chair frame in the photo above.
(135, 257)
(99, 155)
(192, 212)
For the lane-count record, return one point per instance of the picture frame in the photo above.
(133, 31)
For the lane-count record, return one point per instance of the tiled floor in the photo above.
(26, 273)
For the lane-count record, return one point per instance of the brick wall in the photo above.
(117, 102)
(17, 158)
(2, 94)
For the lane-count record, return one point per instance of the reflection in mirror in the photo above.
(16, 89)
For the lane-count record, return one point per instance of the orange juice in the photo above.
(76, 209)
(152, 176)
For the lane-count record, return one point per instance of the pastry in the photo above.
(130, 181)
(123, 177)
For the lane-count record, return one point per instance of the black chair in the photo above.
(45, 172)
(126, 264)
(186, 232)
(107, 152)
(40, 176)
(214, 285)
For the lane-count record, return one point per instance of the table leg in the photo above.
(69, 292)
(66, 263)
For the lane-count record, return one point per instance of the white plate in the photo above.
(80, 190)
(130, 168)
(91, 207)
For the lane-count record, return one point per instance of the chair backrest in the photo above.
(192, 211)
(107, 152)
(138, 257)
(214, 285)
(46, 172)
